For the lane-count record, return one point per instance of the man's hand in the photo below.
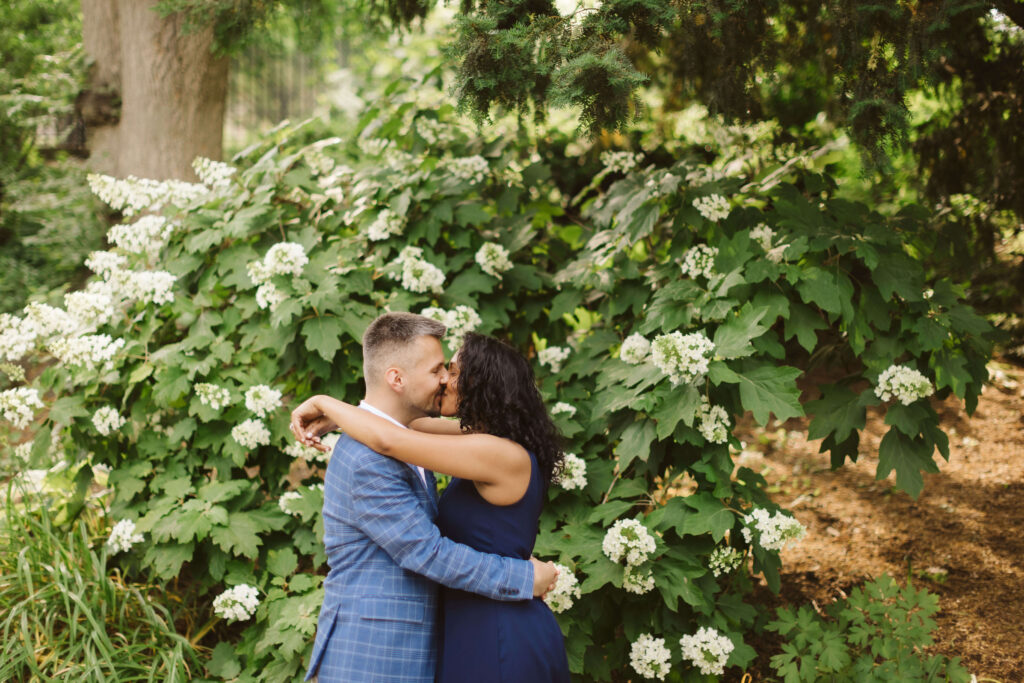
(544, 577)
(308, 424)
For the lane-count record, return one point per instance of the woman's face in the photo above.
(450, 398)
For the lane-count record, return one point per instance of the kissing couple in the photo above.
(421, 589)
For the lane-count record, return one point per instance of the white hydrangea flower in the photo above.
(566, 590)
(146, 236)
(714, 207)
(18, 336)
(637, 582)
(251, 433)
(307, 453)
(724, 559)
(419, 275)
(772, 532)
(635, 349)
(238, 603)
(107, 420)
(149, 286)
(212, 173)
(574, 473)
(620, 162)
(23, 451)
(18, 405)
(462, 319)
(261, 399)
(553, 357)
(493, 259)
(473, 169)
(699, 260)
(87, 351)
(904, 384)
(50, 321)
(105, 263)
(216, 397)
(562, 407)
(386, 224)
(268, 296)
(649, 657)
(714, 422)
(707, 650)
(684, 358)
(91, 307)
(284, 502)
(628, 540)
(286, 258)
(763, 235)
(123, 536)
(133, 195)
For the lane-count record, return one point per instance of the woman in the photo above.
(503, 453)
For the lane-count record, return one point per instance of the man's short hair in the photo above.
(389, 337)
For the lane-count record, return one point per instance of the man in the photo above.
(386, 557)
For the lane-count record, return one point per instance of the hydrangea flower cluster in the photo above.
(307, 453)
(620, 162)
(418, 274)
(386, 224)
(92, 307)
(147, 236)
(261, 399)
(763, 235)
(284, 258)
(636, 581)
(473, 169)
(649, 657)
(707, 650)
(216, 397)
(574, 472)
(565, 592)
(123, 536)
(684, 358)
(17, 405)
(635, 349)
(107, 420)
(724, 559)
(713, 207)
(699, 260)
(714, 422)
(553, 357)
(87, 351)
(105, 263)
(251, 433)
(213, 173)
(148, 286)
(493, 259)
(132, 195)
(238, 603)
(433, 131)
(17, 337)
(563, 407)
(772, 532)
(628, 540)
(50, 322)
(459, 320)
(284, 502)
(904, 384)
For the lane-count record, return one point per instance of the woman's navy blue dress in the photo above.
(487, 640)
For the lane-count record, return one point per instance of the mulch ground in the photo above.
(963, 539)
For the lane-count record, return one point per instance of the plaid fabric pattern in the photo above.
(378, 622)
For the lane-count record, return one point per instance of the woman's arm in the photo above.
(482, 458)
(436, 425)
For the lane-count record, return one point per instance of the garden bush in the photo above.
(662, 294)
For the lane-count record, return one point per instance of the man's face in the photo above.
(425, 376)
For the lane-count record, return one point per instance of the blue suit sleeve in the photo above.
(389, 513)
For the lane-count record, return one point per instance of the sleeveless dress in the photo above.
(489, 641)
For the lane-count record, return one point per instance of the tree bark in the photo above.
(173, 90)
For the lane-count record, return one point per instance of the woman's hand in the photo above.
(309, 423)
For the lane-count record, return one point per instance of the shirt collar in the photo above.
(380, 413)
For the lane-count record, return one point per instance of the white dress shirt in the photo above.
(380, 413)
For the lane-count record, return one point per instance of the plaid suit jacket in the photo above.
(378, 622)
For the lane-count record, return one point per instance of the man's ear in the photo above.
(395, 379)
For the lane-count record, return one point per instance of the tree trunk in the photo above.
(173, 90)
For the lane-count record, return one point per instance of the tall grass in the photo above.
(66, 616)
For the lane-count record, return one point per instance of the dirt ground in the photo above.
(963, 539)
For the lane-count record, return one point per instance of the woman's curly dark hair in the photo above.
(498, 395)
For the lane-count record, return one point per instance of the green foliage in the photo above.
(839, 290)
(877, 634)
(66, 614)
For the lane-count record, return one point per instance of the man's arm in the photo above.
(388, 512)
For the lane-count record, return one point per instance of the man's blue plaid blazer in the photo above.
(378, 622)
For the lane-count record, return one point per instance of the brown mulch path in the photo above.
(962, 540)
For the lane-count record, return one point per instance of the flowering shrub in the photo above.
(271, 272)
